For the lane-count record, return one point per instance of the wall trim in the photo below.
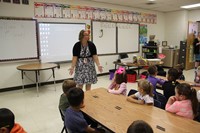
(41, 84)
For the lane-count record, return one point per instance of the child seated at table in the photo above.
(63, 103)
(180, 68)
(144, 94)
(118, 85)
(197, 77)
(74, 119)
(169, 86)
(184, 103)
(139, 126)
(7, 122)
(152, 70)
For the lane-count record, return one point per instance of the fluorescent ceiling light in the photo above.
(152, 0)
(191, 6)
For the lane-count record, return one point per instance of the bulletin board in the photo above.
(18, 38)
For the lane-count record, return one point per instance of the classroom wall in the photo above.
(176, 27)
(11, 77)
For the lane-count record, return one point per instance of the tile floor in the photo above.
(40, 114)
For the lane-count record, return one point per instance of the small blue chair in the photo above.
(131, 92)
(161, 98)
(157, 104)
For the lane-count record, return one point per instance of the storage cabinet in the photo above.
(182, 55)
(149, 52)
(172, 56)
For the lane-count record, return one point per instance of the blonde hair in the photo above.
(146, 86)
(68, 84)
(81, 35)
(198, 68)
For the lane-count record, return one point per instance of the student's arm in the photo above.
(160, 81)
(120, 90)
(96, 60)
(172, 106)
(133, 99)
(74, 60)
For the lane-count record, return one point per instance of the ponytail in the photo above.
(194, 101)
(190, 93)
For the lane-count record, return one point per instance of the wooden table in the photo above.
(116, 114)
(37, 67)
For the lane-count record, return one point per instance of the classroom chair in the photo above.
(157, 104)
(63, 119)
(161, 98)
(131, 92)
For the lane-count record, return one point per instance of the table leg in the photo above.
(36, 76)
(39, 84)
(22, 73)
(54, 78)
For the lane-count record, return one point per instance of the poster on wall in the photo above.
(39, 10)
(25, 2)
(66, 11)
(143, 33)
(91, 13)
(48, 10)
(57, 11)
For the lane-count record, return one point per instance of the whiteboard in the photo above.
(18, 39)
(128, 37)
(57, 40)
(104, 37)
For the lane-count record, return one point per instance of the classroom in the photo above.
(36, 107)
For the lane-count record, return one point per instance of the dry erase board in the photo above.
(18, 39)
(104, 37)
(127, 37)
(57, 40)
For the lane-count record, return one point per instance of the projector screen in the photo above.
(57, 40)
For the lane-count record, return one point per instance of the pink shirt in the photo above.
(121, 90)
(182, 108)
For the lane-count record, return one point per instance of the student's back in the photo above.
(169, 86)
(63, 102)
(75, 121)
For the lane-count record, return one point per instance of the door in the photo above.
(192, 30)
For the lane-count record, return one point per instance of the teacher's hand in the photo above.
(100, 68)
(71, 71)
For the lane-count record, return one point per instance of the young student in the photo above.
(197, 77)
(139, 126)
(7, 122)
(169, 86)
(179, 67)
(184, 103)
(74, 119)
(118, 85)
(144, 94)
(152, 70)
(63, 103)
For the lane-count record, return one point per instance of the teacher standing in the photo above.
(196, 46)
(83, 61)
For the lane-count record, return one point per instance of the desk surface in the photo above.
(105, 107)
(129, 64)
(36, 66)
